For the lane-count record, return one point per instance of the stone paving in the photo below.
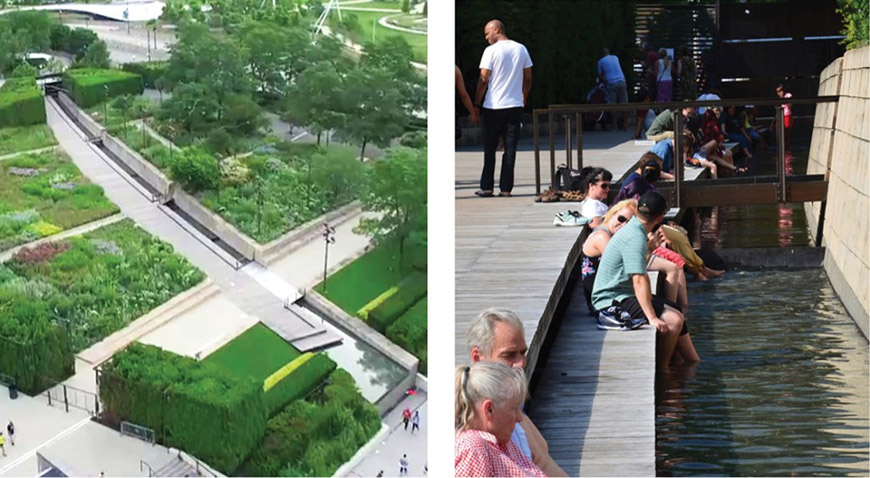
(399, 442)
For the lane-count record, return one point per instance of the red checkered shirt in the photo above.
(479, 454)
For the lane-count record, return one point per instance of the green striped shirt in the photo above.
(624, 256)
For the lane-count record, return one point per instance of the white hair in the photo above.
(481, 334)
(494, 381)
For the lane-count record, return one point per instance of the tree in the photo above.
(395, 187)
(338, 173)
(316, 101)
(856, 22)
(196, 170)
(25, 70)
(406, 6)
(96, 55)
(374, 108)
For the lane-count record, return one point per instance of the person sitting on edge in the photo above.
(663, 126)
(747, 119)
(622, 281)
(596, 184)
(732, 128)
(497, 335)
(489, 399)
(642, 179)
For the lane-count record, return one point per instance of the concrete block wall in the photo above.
(846, 162)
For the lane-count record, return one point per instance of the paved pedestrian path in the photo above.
(399, 442)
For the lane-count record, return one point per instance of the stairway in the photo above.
(176, 467)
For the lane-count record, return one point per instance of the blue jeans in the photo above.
(496, 124)
(739, 138)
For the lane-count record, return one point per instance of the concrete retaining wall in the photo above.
(92, 128)
(840, 149)
(216, 224)
(292, 240)
(141, 166)
(362, 331)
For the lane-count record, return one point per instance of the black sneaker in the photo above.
(609, 319)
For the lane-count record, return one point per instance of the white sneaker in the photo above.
(570, 218)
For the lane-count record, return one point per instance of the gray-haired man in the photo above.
(497, 335)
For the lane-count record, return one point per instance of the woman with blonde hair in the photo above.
(489, 398)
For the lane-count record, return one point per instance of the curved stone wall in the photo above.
(840, 149)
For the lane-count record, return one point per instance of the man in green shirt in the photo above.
(622, 281)
(663, 126)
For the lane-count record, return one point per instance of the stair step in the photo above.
(321, 340)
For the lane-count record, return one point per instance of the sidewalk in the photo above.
(399, 442)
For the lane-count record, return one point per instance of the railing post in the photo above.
(552, 152)
(536, 135)
(678, 158)
(567, 118)
(579, 141)
(780, 152)
(65, 400)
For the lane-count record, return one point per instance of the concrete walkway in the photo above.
(130, 11)
(236, 285)
(399, 442)
(384, 21)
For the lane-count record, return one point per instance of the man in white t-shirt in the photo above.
(610, 73)
(506, 78)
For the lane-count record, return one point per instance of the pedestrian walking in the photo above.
(406, 416)
(505, 78)
(10, 429)
(3, 443)
(610, 74)
(415, 422)
(403, 465)
(380, 474)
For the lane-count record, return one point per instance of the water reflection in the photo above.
(782, 389)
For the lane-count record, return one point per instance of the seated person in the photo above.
(732, 128)
(747, 117)
(665, 150)
(489, 399)
(642, 179)
(644, 116)
(663, 126)
(595, 183)
(622, 281)
(713, 145)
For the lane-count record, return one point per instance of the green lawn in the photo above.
(368, 20)
(359, 282)
(257, 353)
(43, 194)
(25, 138)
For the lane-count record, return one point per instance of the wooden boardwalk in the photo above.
(509, 254)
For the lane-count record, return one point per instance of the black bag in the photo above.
(567, 179)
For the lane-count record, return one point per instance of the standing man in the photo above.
(415, 422)
(403, 465)
(506, 78)
(610, 73)
(10, 429)
(622, 281)
(406, 416)
(497, 335)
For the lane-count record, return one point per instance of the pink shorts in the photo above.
(669, 255)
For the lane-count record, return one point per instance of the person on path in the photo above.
(406, 416)
(3, 443)
(497, 335)
(10, 429)
(686, 74)
(505, 78)
(664, 79)
(415, 422)
(380, 474)
(610, 73)
(622, 281)
(786, 118)
(466, 100)
(403, 465)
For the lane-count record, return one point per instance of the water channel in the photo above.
(782, 389)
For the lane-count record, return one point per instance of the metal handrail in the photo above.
(150, 470)
(566, 110)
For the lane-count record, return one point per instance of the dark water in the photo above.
(770, 225)
(782, 389)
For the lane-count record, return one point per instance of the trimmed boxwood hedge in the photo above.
(21, 103)
(411, 290)
(192, 405)
(299, 383)
(89, 86)
(149, 71)
(44, 353)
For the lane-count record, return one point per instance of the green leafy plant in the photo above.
(89, 86)
(21, 103)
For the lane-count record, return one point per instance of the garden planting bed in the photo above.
(45, 193)
(25, 138)
(389, 298)
(59, 298)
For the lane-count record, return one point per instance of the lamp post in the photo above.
(328, 238)
(106, 105)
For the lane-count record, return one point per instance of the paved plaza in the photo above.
(399, 442)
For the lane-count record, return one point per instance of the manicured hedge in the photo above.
(149, 71)
(191, 405)
(300, 382)
(21, 103)
(411, 290)
(32, 349)
(313, 437)
(410, 332)
(89, 86)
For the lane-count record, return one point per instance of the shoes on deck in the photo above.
(570, 218)
(614, 318)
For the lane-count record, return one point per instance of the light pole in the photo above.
(106, 105)
(328, 238)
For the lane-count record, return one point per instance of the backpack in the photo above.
(567, 179)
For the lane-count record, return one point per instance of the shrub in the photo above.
(409, 332)
(311, 371)
(149, 71)
(40, 253)
(411, 290)
(74, 41)
(196, 170)
(192, 405)
(21, 103)
(313, 437)
(89, 86)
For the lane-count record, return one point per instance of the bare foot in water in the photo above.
(714, 274)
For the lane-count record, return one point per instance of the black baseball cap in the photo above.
(652, 204)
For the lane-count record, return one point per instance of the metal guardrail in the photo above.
(138, 431)
(66, 396)
(783, 186)
(141, 468)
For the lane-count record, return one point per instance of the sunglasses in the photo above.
(604, 185)
(622, 219)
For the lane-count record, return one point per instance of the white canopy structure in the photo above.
(133, 11)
